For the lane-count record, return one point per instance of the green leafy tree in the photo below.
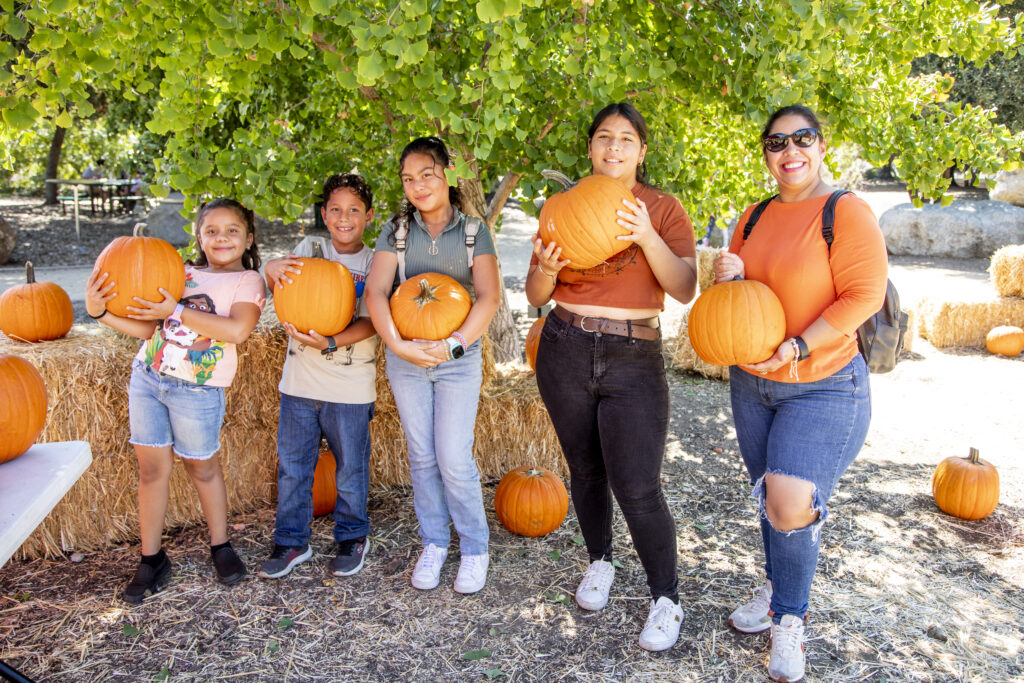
(260, 99)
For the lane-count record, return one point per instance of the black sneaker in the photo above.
(284, 559)
(148, 580)
(351, 554)
(230, 568)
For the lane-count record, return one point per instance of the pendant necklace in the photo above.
(433, 246)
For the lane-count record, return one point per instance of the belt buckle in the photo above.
(583, 326)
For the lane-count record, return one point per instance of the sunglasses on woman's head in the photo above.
(776, 142)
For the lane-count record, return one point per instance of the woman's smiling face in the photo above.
(616, 150)
(796, 169)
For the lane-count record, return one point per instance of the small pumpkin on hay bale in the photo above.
(966, 323)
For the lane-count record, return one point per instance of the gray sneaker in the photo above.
(351, 554)
(284, 559)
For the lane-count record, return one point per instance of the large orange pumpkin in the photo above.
(967, 488)
(582, 220)
(325, 489)
(737, 322)
(22, 406)
(533, 341)
(1006, 340)
(36, 311)
(322, 297)
(429, 306)
(531, 501)
(140, 266)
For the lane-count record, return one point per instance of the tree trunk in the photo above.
(52, 162)
(504, 337)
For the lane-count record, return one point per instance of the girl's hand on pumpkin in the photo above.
(153, 310)
(436, 349)
(313, 339)
(638, 221)
(278, 269)
(98, 292)
(728, 266)
(548, 256)
(781, 358)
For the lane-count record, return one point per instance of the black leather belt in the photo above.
(640, 329)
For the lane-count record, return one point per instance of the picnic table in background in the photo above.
(101, 183)
(31, 485)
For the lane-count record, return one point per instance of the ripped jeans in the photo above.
(811, 431)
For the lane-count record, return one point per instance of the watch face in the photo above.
(458, 351)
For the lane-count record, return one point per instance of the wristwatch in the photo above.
(331, 347)
(176, 315)
(455, 348)
(801, 346)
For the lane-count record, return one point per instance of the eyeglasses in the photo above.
(776, 142)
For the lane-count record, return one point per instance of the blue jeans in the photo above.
(811, 431)
(438, 410)
(347, 429)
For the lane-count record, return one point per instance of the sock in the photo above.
(155, 559)
(215, 548)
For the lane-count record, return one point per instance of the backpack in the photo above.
(880, 338)
(402, 231)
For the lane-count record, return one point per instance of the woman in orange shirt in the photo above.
(801, 415)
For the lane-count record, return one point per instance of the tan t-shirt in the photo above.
(626, 280)
(350, 375)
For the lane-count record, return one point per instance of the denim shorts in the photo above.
(167, 411)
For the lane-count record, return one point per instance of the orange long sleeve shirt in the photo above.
(786, 251)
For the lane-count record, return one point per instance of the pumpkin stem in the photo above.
(30, 272)
(426, 294)
(558, 177)
(973, 455)
(533, 472)
(137, 230)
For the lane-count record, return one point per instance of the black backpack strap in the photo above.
(755, 215)
(828, 217)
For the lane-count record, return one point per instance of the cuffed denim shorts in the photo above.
(167, 411)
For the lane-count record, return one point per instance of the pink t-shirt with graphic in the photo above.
(176, 350)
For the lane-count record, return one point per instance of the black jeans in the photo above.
(608, 400)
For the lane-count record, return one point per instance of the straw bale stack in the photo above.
(965, 323)
(685, 358)
(706, 267)
(1007, 270)
(87, 372)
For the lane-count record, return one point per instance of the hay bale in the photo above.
(87, 372)
(706, 267)
(1007, 270)
(683, 357)
(965, 323)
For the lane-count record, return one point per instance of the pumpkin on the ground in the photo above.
(322, 297)
(533, 341)
(22, 406)
(35, 311)
(531, 501)
(1005, 340)
(429, 306)
(967, 488)
(325, 489)
(737, 322)
(583, 220)
(140, 266)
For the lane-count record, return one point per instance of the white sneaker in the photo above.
(592, 593)
(427, 572)
(753, 616)
(472, 573)
(662, 628)
(786, 661)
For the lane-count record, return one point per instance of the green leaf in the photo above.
(285, 623)
(321, 6)
(99, 63)
(557, 596)
(490, 10)
(415, 52)
(58, 6)
(130, 630)
(617, 564)
(565, 159)
(23, 115)
(451, 176)
(64, 119)
(273, 647)
(555, 554)
(163, 674)
(494, 673)
(475, 655)
(16, 28)
(159, 191)
(370, 67)
(946, 200)
(577, 540)
(297, 51)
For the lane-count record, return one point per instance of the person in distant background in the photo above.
(96, 172)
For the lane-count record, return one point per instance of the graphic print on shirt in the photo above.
(611, 266)
(178, 345)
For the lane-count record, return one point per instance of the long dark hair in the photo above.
(635, 118)
(433, 147)
(793, 110)
(251, 256)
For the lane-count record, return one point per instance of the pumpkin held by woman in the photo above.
(429, 306)
(583, 220)
(139, 266)
(737, 322)
(35, 311)
(531, 501)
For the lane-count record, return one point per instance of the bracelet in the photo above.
(796, 357)
(802, 345)
(553, 276)
(97, 317)
(462, 340)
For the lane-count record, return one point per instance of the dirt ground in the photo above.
(903, 592)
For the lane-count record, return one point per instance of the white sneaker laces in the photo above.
(599, 577)
(661, 616)
(787, 640)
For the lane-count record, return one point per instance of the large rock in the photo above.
(1009, 187)
(8, 238)
(964, 229)
(166, 222)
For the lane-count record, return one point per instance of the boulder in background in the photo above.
(964, 229)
